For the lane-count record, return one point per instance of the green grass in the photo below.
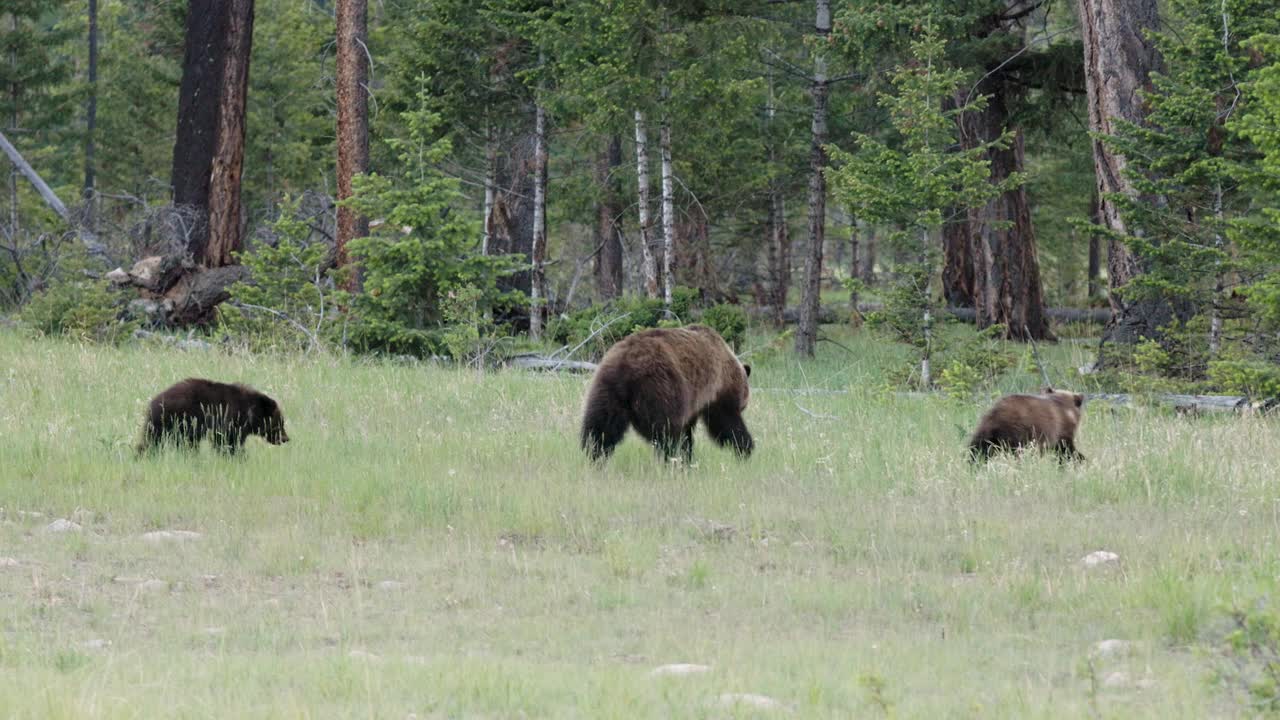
(868, 570)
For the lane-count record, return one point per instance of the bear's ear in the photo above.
(1079, 400)
(1047, 390)
(747, 368)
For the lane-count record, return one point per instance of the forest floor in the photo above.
(432, 543)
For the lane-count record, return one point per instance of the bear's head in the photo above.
(269, 421)
(1069, 401)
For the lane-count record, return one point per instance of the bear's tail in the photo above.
(604, 418)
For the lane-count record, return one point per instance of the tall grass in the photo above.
(855, 565)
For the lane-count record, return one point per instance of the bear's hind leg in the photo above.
(1067, 452)
(602, 429)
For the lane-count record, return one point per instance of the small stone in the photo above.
(214, 631)
(364, 655)
(8, 562)
(153, 585)
(62, 525)
(391, 585)
(677, 669)
(1100, 557)
(96, 644)
(1111, 648)
(118, 276)
(170, 536)
(1117, 679)
(759, 702)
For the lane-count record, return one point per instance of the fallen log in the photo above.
(831, 314)
(538, 362)
(1183, 404)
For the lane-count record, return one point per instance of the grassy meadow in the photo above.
(433, 544)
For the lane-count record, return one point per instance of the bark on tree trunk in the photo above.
(608, 232)
(490, 189)
(353, 122)
(1119, 58)
(1095, 251)
(642, 198)
(511, 222)
(853, 264)
(537, 276)
(199, 97)
(668, 213)
(1006, 281)
(225, 236)
(91, 118)
(869, 258)
(807, 331)
(957, 268)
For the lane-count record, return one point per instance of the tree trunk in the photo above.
(869, 258)
(511, 221)
(642, 198)
(91, 118)
(1095, 251)
(854, 273)
(490, 189)
(20, 165)
(926, 359)
(1006, 279)
(1119, 58)
(537, 276)
(608, 233)
(225, 226)
(199, 97)
(957, 268)
(668, 213)
(807, 332)
(353, 122)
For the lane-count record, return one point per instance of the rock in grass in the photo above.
(363, 655)
(678, 669)
(1111, 648)
(96, 644)
(750, 700)
(391, 585)
(158, 536)
(153, 585)
(62, 525)
(1098, 558)
(8, 562)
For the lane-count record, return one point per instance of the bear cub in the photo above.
(662, 382)
(1049, 421)
(189, 410)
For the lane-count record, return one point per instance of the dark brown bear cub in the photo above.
(1048, 421)
(661, 382)
(188, 411)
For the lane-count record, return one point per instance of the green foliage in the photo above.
(288, 303)
(728, 320)
(423, 250)
(1251, 657)
(1252, 378)
(82, 309)
(912, 181)
(974, 361)
(598, 327)
(469, 335)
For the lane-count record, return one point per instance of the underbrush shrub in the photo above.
(88, 310)
(599, 327)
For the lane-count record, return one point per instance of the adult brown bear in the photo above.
(189, 410)
(661, 382)
(1048, 421)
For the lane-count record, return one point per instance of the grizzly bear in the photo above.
(661, 382)
(1048, 420)
(189, 410)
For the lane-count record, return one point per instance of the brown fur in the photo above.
(661, 382)
(1048, 421)
(189, 410)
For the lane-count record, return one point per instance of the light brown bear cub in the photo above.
(661, 382)
(1048, 421)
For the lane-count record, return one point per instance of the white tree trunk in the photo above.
(807, 332)
(642, 198)
(668, 213)
(490, 189)
(20, 165)
(537, 277)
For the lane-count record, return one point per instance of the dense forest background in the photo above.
(467, 178)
